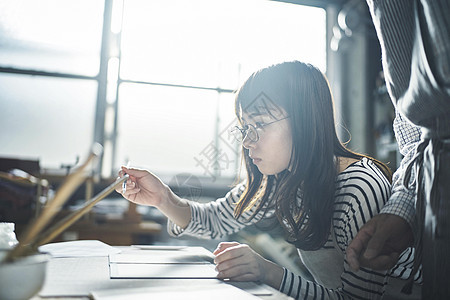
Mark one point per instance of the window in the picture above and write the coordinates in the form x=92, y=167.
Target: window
x=54, y=127
x=49, y=35
x=194, y=54
x=172, y=67
x=48, y=90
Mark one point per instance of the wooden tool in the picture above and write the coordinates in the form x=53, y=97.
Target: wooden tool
x=65, y=223
x=54, y=206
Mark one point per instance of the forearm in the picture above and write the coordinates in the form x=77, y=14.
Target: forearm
x=214, y=219
x=176, y=209
x=274, y=274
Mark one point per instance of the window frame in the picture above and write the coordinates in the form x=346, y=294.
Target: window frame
x=110, y=48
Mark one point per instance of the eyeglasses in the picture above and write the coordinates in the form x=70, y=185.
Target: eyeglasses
x=250, y=131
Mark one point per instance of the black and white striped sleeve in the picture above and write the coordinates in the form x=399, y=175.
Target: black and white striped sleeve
x=361, y=192
x=215, y=219
x=360, y=197
x=299, y=288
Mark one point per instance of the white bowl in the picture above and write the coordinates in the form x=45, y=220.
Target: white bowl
x=22, y=278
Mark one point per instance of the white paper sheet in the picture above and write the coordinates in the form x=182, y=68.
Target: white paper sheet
x=158, y=257
x=83, y=248
x=197, y=292
x=162, y=270
x=159, y=247
x=75, y=276
x=257, y=289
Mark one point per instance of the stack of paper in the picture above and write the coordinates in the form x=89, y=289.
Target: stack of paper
x=196, y=292
x=157, y=262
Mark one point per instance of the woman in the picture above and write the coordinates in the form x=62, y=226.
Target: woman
x=299, y=175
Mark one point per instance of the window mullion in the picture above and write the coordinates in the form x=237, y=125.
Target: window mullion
x=100, y=112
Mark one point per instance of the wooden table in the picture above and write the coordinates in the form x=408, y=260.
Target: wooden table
x=114, y=233
x=76, y=278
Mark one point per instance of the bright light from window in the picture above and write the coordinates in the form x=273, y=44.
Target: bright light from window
x=51, y=35
x=208, y=44
x=201, y=43
x=217, y=43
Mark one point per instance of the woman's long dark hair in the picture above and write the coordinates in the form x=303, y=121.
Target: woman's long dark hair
x=303, y=93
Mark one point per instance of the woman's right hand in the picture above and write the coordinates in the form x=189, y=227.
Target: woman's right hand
x=143, y=187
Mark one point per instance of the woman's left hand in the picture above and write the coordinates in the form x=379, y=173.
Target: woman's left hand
x=238, y=262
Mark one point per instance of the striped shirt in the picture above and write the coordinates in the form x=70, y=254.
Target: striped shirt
x=361, y=191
